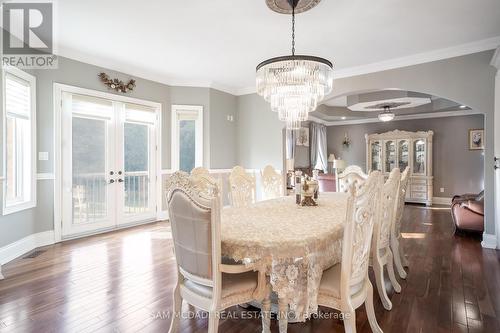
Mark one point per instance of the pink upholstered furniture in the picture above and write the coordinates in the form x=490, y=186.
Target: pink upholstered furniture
x=326, y=182
x=468, y=211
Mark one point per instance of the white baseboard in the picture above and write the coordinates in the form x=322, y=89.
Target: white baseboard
x=25, y=245
x=489, y=241
x=162, y=216
x=441, y=201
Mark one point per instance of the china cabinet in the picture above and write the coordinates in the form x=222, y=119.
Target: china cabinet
x=399, y=149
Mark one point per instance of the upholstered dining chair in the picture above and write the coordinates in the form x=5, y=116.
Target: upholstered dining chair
x=272, y=183
x=381, y=250
x=200, y=171
x=346, y=286
x=353, y=174
x=397, y=249
x=202, y=281
x=242, y=187
x=204, y=177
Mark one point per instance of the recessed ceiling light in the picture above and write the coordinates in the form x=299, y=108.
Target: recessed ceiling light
x=463, y=106
x=343, y=118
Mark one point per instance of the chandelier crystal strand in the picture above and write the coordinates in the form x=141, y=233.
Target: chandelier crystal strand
x=294, y=85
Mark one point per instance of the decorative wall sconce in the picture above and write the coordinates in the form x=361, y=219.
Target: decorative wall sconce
x=116, y=84
x=346, y=142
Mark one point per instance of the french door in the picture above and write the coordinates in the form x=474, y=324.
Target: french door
x=108, y=164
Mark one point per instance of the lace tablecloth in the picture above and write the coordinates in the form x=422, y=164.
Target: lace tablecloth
x=293, y=244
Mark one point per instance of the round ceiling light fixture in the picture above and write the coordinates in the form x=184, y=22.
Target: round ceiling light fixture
x=294, y=84
x=387, y=115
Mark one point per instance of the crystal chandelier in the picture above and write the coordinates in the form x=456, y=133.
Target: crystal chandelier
x=294, y=84
x=387, y=115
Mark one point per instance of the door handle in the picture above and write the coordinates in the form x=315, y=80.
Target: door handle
x=111, y=181
x=497, y=162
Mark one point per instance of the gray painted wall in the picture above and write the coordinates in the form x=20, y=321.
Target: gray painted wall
x=259, y=133
x=223, y=145
x=455, y=167
x=19, y=225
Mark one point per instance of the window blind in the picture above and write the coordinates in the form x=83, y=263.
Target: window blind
x=17, y=97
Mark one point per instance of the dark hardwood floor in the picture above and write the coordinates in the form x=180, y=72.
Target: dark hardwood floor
x=123, y=281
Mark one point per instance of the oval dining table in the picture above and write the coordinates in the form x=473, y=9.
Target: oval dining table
x=291, y=243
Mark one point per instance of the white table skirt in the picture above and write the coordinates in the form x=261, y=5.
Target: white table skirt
x=292, y=244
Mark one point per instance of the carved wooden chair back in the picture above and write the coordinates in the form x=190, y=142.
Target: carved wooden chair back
x=194, y=214
x=272, y=183
x=361, y=215
x=242, y=187
x=352, y=175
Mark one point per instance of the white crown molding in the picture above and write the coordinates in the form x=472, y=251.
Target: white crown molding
x=411, y=60
x=489, y=241
x=128, y=70
x=406, y=117
x=45, y=176
x=495, y=60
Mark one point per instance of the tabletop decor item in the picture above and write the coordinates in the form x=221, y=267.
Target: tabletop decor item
x=116, y=84
x=309, y=188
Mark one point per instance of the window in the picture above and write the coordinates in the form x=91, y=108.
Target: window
x=19, y=100
x=187, y=137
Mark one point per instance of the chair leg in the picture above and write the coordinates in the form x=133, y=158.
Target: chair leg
x=397, y=258
x=177, y=300
x=370, y=310
x=402, y=254
x=378, y=268
x=349, y=321
x=283, y=315
x=213, y=322
x=390, y=271
x=266, y=310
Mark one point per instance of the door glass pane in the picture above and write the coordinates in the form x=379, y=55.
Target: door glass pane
x=403, y=154
x=136, y=158
x=390, y=155
x=187, y=145
x=376, y=156
x=89, y=170
x=419, y=158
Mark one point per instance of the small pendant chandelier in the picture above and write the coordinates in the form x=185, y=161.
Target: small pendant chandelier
x=294, y=84
x=387, y=115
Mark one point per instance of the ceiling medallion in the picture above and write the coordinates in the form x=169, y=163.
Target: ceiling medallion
x=387, y=115
x=285, y=6
x=294, y=84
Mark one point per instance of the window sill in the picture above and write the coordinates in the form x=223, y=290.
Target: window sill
x=18, y=207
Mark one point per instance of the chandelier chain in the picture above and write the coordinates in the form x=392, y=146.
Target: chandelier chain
x=293, y=28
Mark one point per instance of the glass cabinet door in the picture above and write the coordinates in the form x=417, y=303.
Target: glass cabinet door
x=419, y=148
x=403, y=154
x=390, y=155
x=376, y=152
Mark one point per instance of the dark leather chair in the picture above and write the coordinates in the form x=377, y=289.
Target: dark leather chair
x=467, y=211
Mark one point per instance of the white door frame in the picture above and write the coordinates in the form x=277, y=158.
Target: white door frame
x=58, y=109
x=496, y=63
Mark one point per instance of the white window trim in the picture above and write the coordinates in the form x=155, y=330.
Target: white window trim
x=196, y=111
x=32, y=81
